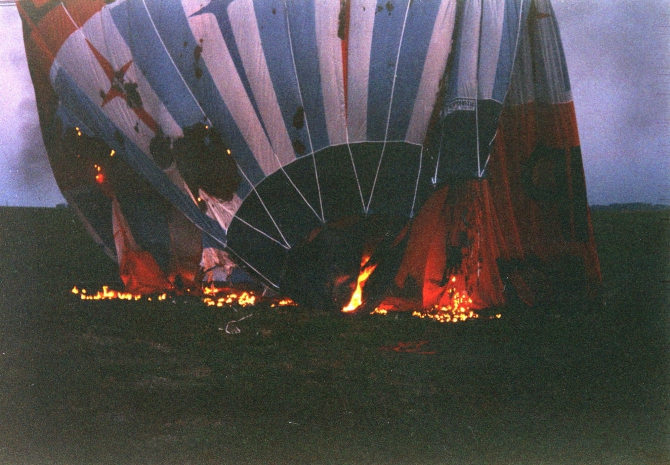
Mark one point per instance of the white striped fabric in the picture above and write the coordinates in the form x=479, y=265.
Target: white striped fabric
x=330, y=66
x=77, y=57
x=433, y=71
x=361, y=25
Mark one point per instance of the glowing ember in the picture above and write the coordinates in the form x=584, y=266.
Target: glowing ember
x=108, y=294
x=214, y=297
x=357, y=297
x=456, y=306
x=244, y=299
x=284, y=303
x=457, y=310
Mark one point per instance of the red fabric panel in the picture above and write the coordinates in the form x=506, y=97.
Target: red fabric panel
x=141, y=274
x=530, y=215
x=553, y=227
x=557, y=124
x=138, y=269
x=54, y=29
x=57, y=24
x=453, y=247
x=422, y=235
x=82, y=10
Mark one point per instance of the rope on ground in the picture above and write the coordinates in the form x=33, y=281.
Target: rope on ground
x=232, y=328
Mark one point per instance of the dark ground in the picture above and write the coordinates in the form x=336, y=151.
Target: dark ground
x=159, y=383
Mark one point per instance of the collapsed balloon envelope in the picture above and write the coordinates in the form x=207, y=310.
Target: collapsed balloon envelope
x=288, y=137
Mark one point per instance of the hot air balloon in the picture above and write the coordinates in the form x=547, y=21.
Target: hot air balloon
x=434, y=142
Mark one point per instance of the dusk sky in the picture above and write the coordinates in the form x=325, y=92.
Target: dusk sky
x=618, y=54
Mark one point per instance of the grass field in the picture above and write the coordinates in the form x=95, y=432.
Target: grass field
x=161, y=383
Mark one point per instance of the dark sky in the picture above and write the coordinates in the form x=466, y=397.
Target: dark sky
x=618, y=54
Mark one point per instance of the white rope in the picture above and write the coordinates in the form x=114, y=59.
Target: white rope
x=231, y=326
x=302, y=104
x=388, y=117
x=266, y=210
x=416, y=187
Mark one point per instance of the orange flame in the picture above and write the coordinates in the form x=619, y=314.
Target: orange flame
x=357, y=297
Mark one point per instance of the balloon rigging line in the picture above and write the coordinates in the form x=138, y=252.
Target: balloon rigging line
x=439, y=156
x=388, y=117
x=266, y=209
x=89, y=227
x=293, y=184
x=252, y=267
x=351, y=157
x=511, y=73
x=296, y=188
x=262, y=232
x=302, y=104
x=479, y=55
x=416, y=187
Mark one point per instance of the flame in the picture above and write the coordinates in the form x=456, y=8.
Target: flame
x=357, y=297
